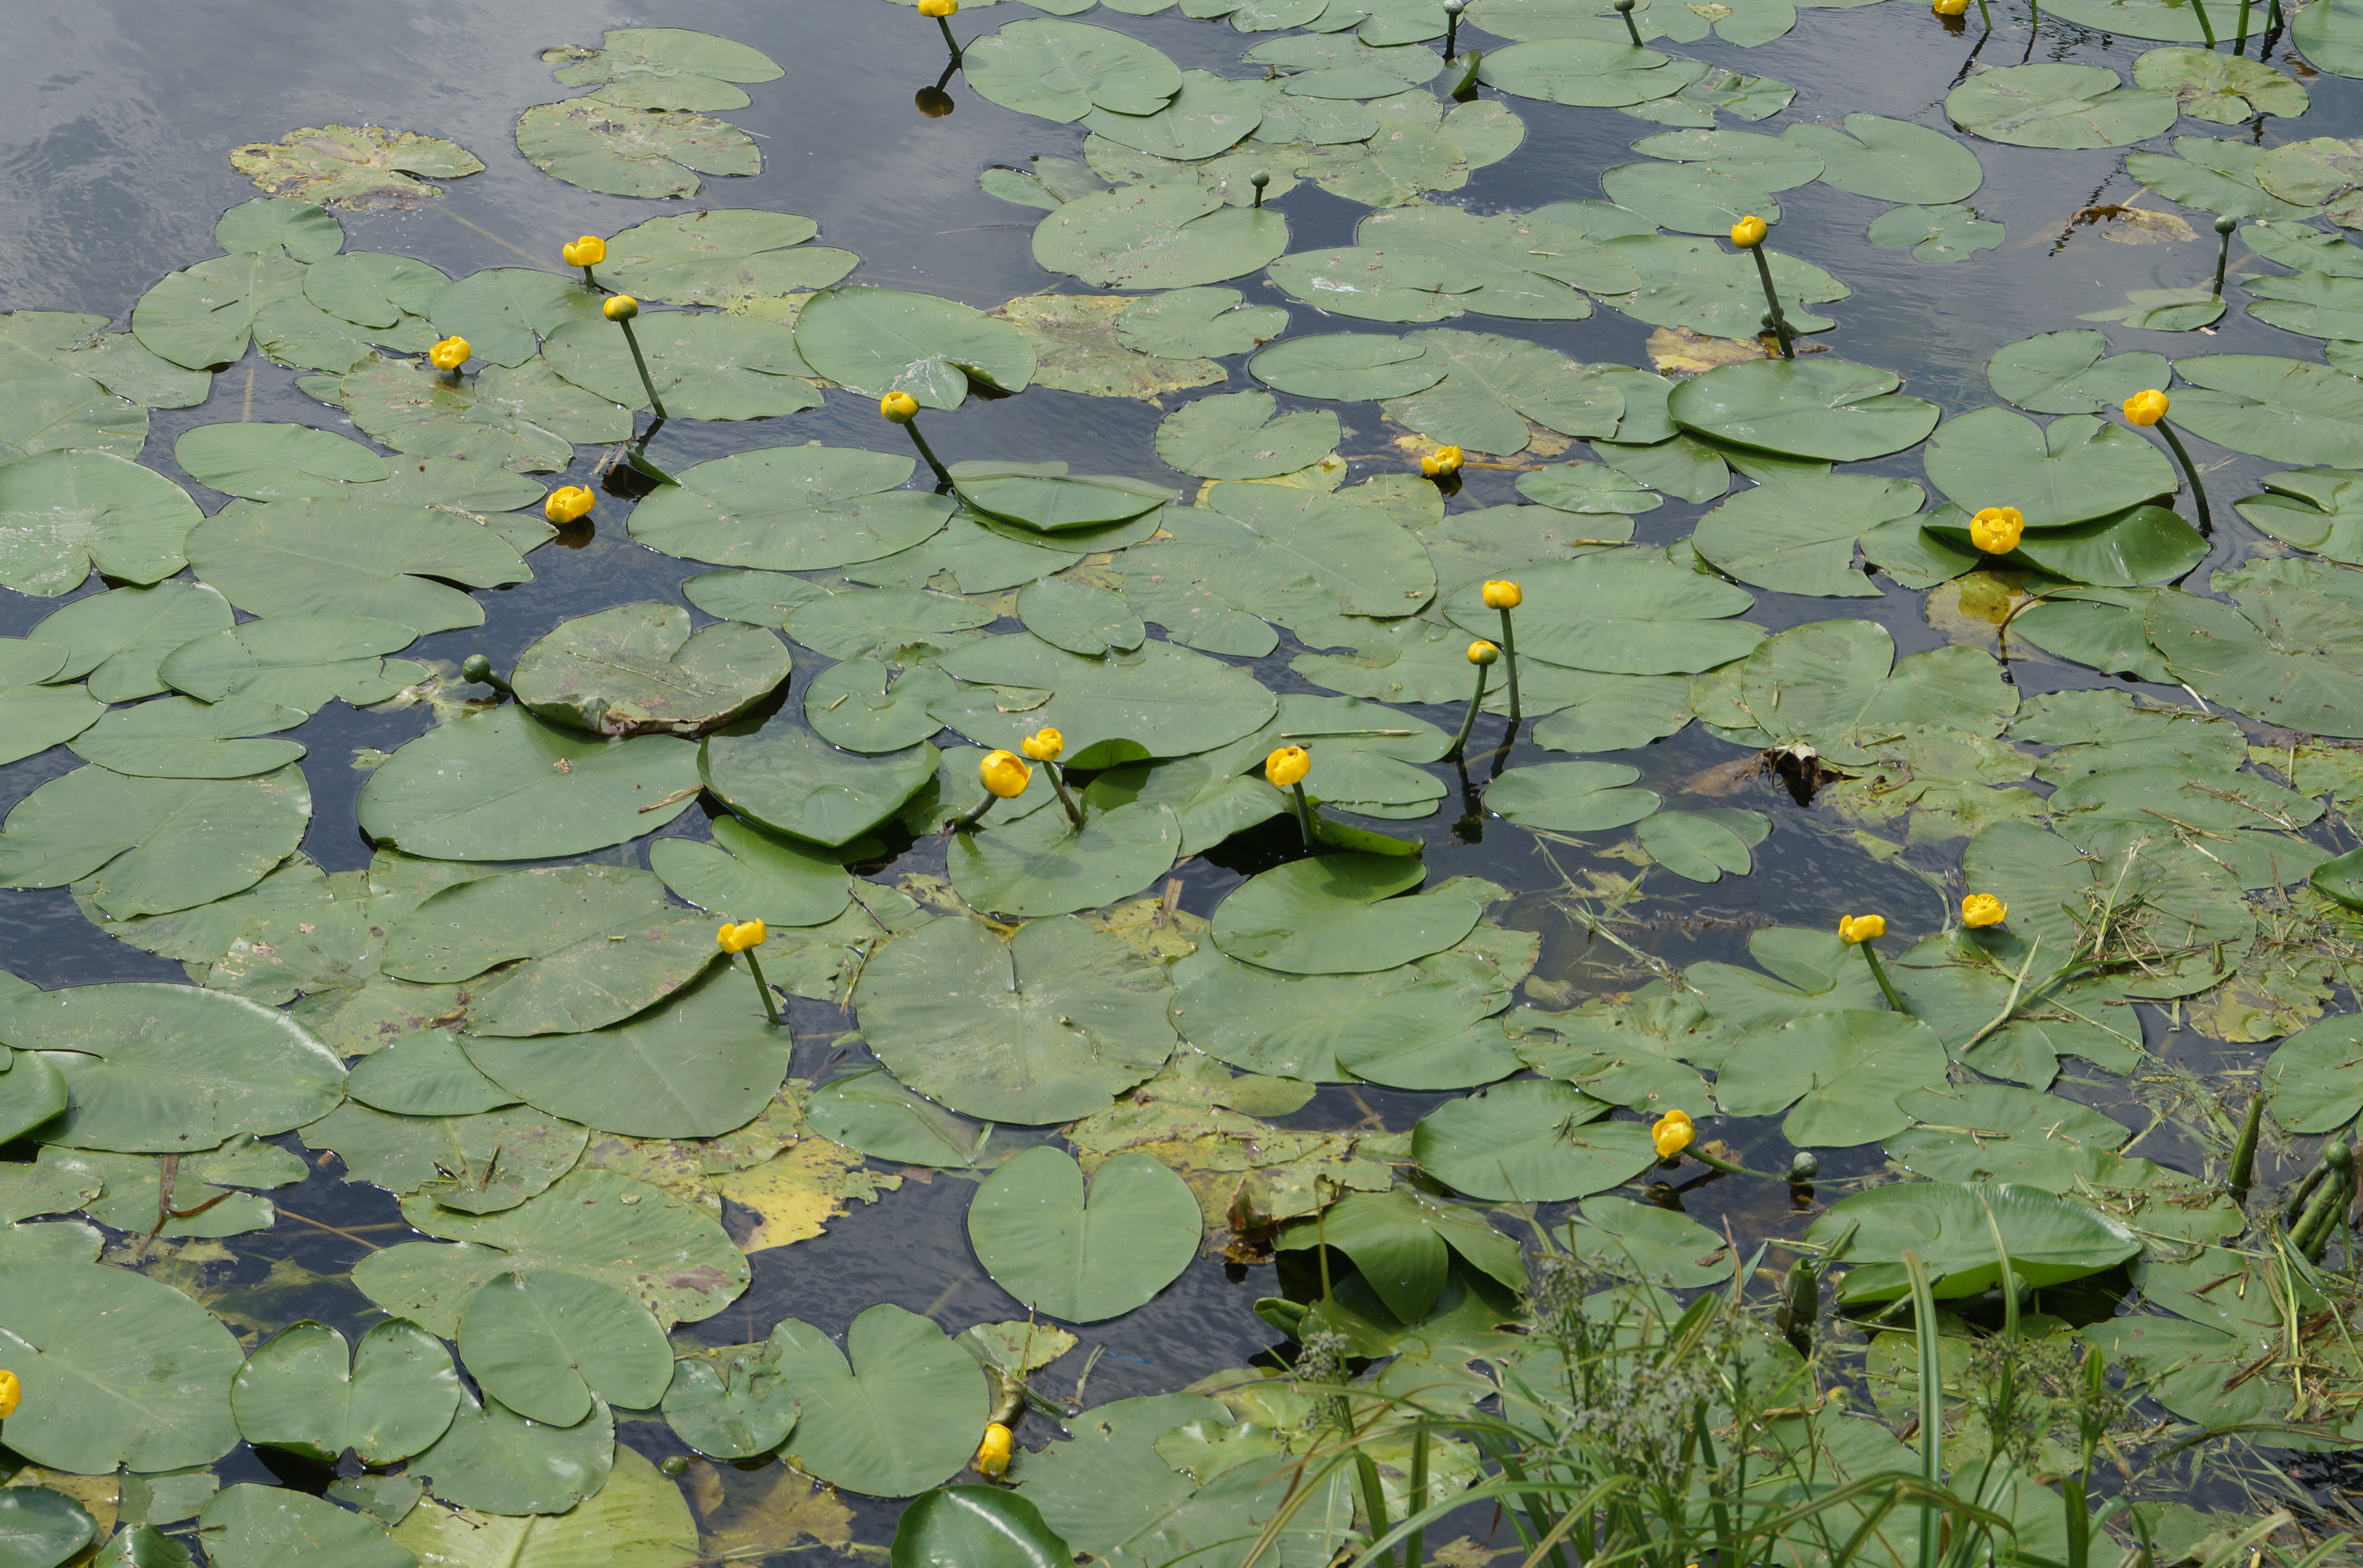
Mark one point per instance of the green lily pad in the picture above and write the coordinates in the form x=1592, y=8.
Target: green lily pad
x=890, y=1414
x=45, y=408
x=1040, y=1027
x=2063, y=105
x=1836, y=1073
x=638, y=669
x=1701, y=847
x=1429, y=263
x=704, y=366
x=2314, y=509
x=153, y=845
x=250, y=1525
x=2320, y=171
x=299, y=662
x=868, y=1111
x=274, y=462
x=639, y=1518
x=1951, y=1224
x=1349, y=366
x=1803, y=408
x=1988, y=1132
x=351, y=557
x=977, y=1527
x=784, y=778
x=1061, y=71
x=1599, y=73
x=374, y=288
x=1334, y=914
x=2215, y=175
x=307, y=1391
x=748, y=874
x=2273, y=658
x=877, y=341
x=1309, y=1026
x=1206, y=117
x=115, y=639
x=40, y=1529
x=1840, y=685
x=64, y=513
x=602, y=145
x=721, y=256
x=791, y=509
x=1571, y=797
x=863, y=705
x=425, y=1073
x=733, y=1406
x=2314, y=303
x=548, y=1345
x=527, y=418
x=2312, y=1077
x=505, y=312
x=358, y=167
x=665, y=68
x=1628, y=613
x=1163, y=699
x=1493, y=385
x=1078, y=617
x=504, y=786
x=1615, y=712
x=1690, y=198
x=1158, y=237
x=2063, y=372
x=1798, y=534
x=494, y=1460
x=1891, y=160
x=1936, y=234
x=1201, y=322
x=2287, y=410
x=180, y=737
x=1044, y=498
x=1041, y=864
x=1534, y=1141
x=1076, y=1259
x=2223, y=88
x=2141, y=545
x=1234, y=435
x=476, y=1164
x=2077, y=469
x=205, y=314
x=1701, y=285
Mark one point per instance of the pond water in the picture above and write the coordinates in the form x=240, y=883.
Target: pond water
x=118, y=126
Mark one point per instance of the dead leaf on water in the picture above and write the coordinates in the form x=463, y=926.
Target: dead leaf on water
x=750, y=1514
x=799, y=1191
x=1677, y=351
x=1074, y=340
x=1971, y=610
x=354, y=166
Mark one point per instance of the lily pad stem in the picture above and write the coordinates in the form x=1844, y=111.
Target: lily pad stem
x=2190, y=472
x=943, y=474
x=646, y=382
x=2243, y=1152
x=2224, y=227
x=1624, y=9
x=1058, y=782
x=1879, y=973
x=1305, y=817
x=588, y=280
x=2205, y=27
x=968, y=823
x=950, y=42
x=1509, y=661
x=1704, y=1154
x=763, y=989
x=1468, y=719
x=1771, y=298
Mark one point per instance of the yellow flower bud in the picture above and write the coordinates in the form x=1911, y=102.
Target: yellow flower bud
x=621, y=308
x=1996, y=529
x=1504, y=596
x=899, y=407
x=1442, y=462
x=564, y=505
x=1044, y=744
x=992, y=1454
x=1483, y=652
x=449, y=354
x=1288, y=765
x=11, y=1394
x=938, y=8
x=587, y=251
x=1983, y=908
x=2146, y=407
x=1749, y=232
x=740, y=937
x=1003, y=774
x=1671, y=1133
x=1855, y=929
x=1950, y=7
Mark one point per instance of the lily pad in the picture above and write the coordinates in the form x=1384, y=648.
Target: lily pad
x=307, y=1391
x=1493, y=385
x=1040, y=865
x=1158, y=237
x=1164, y=701
x=1076, y=1259
x=1234, y=435
x=1701, y=847
x=65, y=514
x=153, y=845
x=638, y=1518
x=891, y=1414
x=1951, y=1224
x=1044, y=498
x=868, y=1111
x=1891, y=160
x=748, y=874
x=1040, y=1027
x=1936, y=234
x=1623, y=613
x=733, y=1406
x=2077, y=469
x=1061, y=71
x=1840, y=685
x=2216, y=175
x=1532, y=1142
x=1571, y=797
x=721, y=256
x=1803, y=408
x=40, y=1529
x=638, y=669
x=665, y=68
x=2273, y=658
x=1700, y=285
x=791, y=509
x=494, y=1460
x=2063, y=372
x=2320, y=171
x=1586, y=72
x=1189, y=323
x=275, y=463
x=1335, y=915
x=624, y=152
x=115, y=639
x=1349, y=366
x=205, y=315
x=300, y=662
x=704, y=366
x=786, y=779
x=1798, y=534
x=527, y=418
x=506, y=785
x=351, y=557
x=2063, y=105
x=547, y=1344
x=2223, y=88
x=358, y=167
x=1837, y=1074
x=881, y=340
x=180, y=737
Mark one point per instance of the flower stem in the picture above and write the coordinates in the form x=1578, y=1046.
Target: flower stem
x=1879, y=973
x=950, y=42
x=2222, y=255
x=1510, y=659
x=968, y=823
x=943, y=475
x=1058, y=782
x=646, y=382
x=2240, y=45
x=588, y=280
x=2190, y=471
x=1772, y=299
x=1985, y=16
x=2243, y=1152
x=1304, y=815
x=762, y=988
x=2206, y=28
x=1468, y=719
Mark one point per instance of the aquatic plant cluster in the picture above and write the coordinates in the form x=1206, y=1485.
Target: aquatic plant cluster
x=546, y=1017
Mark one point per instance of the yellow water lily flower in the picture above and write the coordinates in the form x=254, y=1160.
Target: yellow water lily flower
x=899, y=407
x=1950, y=7
x=1288, y=765
x=1504, y=595
x=2146, y=407
x=1983, y=908
x=1003, y=774
x=938, y=8
x=11, y=1394
x=740, y=937
x=1749, y=232
x=587, y=251
x=992, y=1454
x=1995, y=530
x=449, y=354
x=1671, y=1133
x=1044, y=744
x=621, y=308
x=1443, y=463
x=1856, y=929
x=1483, y=652
x=564, y=505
